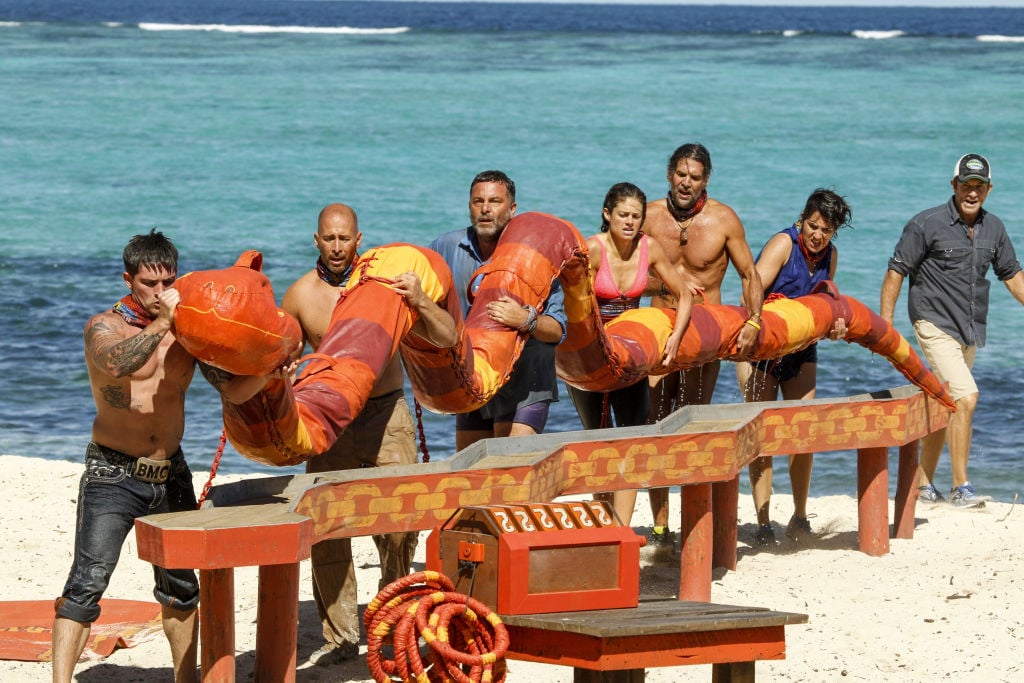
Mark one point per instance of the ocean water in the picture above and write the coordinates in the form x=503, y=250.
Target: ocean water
x=229, y=124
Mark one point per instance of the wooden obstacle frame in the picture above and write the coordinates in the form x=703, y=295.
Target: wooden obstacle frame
x=273, y=522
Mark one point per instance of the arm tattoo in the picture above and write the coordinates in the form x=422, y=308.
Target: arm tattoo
x=215, y=376
x=132, y=354
x=117, y=356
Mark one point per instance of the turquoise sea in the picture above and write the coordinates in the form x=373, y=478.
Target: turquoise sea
x=229, y=124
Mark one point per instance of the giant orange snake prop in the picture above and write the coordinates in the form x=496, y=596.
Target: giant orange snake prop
x=228, y=318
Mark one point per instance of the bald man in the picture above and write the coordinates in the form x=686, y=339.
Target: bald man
x=383, y=434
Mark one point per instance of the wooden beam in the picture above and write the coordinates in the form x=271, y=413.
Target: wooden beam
x=873, y=500
x=906, y=490
x=697, y=534
x=217, y=625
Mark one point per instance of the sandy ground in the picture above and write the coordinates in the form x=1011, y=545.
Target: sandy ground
x=948, y=604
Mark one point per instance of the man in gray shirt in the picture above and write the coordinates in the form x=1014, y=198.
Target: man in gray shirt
x=947, y=251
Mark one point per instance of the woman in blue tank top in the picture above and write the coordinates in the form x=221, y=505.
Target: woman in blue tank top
x=791, y=264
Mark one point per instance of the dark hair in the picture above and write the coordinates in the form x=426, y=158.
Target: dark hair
x=616, y=194
x=495, y=177
x=153, y=250
x=691, y=150
x=831, y=206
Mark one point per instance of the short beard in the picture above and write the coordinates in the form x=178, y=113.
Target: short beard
x=492, y=233
x=676, y=206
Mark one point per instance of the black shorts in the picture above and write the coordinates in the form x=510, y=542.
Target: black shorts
x=786, y=368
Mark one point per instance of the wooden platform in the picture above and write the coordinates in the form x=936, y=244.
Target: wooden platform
x=273, y=522
x=619, y=644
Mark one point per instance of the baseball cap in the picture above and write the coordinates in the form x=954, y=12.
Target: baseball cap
x=972, y=166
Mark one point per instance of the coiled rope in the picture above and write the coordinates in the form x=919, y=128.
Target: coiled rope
x=467, y=640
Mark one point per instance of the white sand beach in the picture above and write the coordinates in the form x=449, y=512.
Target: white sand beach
x=948, y=604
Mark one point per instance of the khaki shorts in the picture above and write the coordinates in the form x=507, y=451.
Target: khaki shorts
x=383, y=434
x=950, y=360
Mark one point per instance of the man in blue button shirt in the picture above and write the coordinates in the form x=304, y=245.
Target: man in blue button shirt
x=947, y=251
x=520, y=408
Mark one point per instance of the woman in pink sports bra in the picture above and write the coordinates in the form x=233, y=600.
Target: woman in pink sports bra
x=621, y=257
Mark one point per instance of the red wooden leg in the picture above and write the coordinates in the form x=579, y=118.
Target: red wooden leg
x=732, y=672
x=906, y=491
x=217, y=625
x=697, y=530
x=873, y=500
x=725, y=500
x=277, y=623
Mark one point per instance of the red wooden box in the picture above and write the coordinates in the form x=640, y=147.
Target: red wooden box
x=539, y=557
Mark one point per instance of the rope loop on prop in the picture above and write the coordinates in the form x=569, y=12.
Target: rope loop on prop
x=467, y=641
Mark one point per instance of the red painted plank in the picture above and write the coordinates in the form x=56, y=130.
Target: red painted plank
x=218, y=548
x=906, y=491
x=277, y=623
x=725, y=497
x=637, y=652
x=873, y=500
x=217, y=625
x=695, y=560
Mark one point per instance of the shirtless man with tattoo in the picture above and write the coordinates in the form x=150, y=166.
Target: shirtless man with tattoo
x=701, y=236
x=133, y=465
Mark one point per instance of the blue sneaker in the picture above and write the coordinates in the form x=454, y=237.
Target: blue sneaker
x=929, y=494
x=963, y=496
